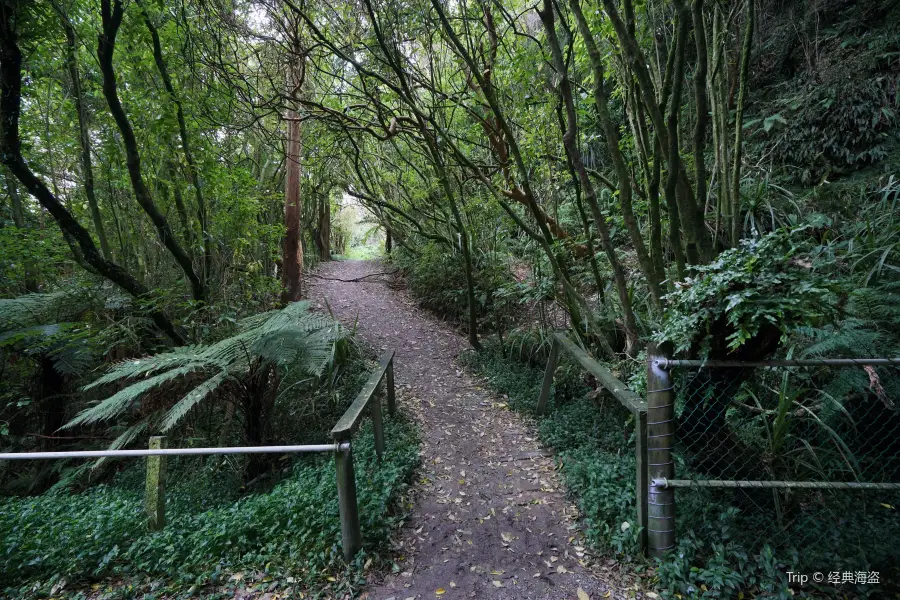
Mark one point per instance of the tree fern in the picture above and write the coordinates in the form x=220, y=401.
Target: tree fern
x=194, y=397
x=871, y=327
x=36, y=309
x=291, y=340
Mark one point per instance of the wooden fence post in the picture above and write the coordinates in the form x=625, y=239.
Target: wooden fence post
x=642, y=489
x=377, y=424
x=660, y=441
x=548, y=378
x=155, y=495
x=351, y=536
x=391, y=398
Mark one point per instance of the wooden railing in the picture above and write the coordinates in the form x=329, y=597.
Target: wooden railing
x=626, y=397
x=351, y=536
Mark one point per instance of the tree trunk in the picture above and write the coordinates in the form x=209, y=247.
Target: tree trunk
x=323, y=230
x=611, y=134
x=180, y=207
x=84, y=138
x=18, y=216
x=11, y=153
x=574, y=153
x=470, y=276
x=700, y=100
x=112, y=19
x=292, y=256
x=739, y=124
x=388, y=244
x=193, y=171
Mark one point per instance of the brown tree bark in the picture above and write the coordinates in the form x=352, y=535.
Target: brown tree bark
x=112, y=18
x=323, y=228
x=11, y=153
x=292, y=255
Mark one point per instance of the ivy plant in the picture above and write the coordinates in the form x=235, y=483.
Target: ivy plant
x=766, y=282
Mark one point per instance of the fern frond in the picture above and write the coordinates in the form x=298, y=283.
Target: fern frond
x=290, y=339
x=123, y=440
x=32, y=309
x=120, y=401
x=198, y=394
x=141, y=367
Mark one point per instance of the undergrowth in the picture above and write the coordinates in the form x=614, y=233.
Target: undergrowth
x=594, y=443
x=287, y=538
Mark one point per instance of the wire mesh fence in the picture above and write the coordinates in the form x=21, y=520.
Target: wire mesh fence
x=799, y=456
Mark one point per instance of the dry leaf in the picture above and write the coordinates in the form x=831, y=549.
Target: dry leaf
x=497, y=583
x=440, y=591
x=582, y=595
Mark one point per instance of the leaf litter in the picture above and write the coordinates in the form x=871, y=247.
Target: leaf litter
x=488, y=504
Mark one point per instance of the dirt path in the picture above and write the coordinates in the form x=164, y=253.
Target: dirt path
x=491, y=519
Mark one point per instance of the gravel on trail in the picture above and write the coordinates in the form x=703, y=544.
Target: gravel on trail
x=490, y=516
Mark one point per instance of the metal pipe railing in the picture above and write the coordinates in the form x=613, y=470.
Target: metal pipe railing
x=351, y=535
x=667, y=363
x=175, y=452
x=807, y=485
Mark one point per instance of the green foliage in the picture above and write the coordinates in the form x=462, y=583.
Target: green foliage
x=29, y=255
x=594, y=445
x=832, y=129
x=436, y=277
x=769, y=282
x=292, y=530
x=724, y=574
x=293, y=340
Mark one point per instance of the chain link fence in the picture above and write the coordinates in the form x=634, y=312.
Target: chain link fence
x=801, y=456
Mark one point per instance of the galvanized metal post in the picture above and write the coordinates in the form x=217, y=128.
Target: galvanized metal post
x=641, y=481
x=548, y=378
x=351, y=536
x=660, y=441
x=155, y=494
x=391, y=398
x=377, y=424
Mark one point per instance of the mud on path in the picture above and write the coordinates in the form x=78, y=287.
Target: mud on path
x=490, y=519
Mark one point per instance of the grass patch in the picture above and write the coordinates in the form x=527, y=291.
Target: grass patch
x=285, y=539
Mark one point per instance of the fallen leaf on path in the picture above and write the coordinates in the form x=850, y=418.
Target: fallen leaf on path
x=582, y=595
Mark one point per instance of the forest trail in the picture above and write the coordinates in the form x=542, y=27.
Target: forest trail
x=491, y=519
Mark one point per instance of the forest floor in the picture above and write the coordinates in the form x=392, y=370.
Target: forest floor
x=490, y=518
